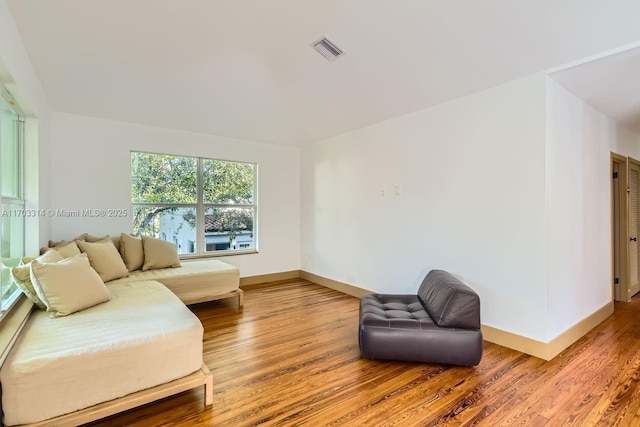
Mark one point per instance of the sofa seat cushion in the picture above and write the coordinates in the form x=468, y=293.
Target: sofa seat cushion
x=192, y=280
x=143, y=337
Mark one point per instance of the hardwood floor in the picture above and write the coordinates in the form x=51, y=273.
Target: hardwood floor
x=291, y=358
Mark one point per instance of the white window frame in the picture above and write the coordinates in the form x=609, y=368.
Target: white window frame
x=9, y=302
x=201, y=207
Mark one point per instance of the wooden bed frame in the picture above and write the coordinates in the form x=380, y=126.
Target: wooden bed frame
x=200, y=377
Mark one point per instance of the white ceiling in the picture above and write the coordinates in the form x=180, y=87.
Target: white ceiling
x=245, y=68
x=610, y=84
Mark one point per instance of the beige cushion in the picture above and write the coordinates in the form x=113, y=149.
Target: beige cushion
x=54, y=244
x=116, y=241
x=68, y=250
x=159, y=253
x=131, y=251
x=92, y=239
x=22, y=275
x=104, y=258
x=69, y=285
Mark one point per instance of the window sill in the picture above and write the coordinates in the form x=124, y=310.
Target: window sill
x=217, y=254
x=11, y=325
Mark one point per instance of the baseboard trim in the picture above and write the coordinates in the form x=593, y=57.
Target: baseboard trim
x=542, y=350
x=266, y=280
x=354, y=291
x=548, y=351
x=580, y=329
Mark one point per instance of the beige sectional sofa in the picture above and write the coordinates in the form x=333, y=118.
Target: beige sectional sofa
x=193, y=281
x=115, y=336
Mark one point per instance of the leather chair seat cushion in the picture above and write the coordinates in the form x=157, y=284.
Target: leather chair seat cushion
x=394, y=311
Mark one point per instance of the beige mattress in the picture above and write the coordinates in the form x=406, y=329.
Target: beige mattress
x=193, y=280
x=141, y=338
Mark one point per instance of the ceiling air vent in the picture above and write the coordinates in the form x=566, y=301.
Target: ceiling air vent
x=328, y=49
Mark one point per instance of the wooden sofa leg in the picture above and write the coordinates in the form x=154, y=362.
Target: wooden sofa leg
x=240, y=298
x=208, y=386
x=208, y=393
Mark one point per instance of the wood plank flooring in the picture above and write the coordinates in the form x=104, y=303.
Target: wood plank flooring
x=290, y=357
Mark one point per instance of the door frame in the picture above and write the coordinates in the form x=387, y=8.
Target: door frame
x=635, y=164
x=619, y=228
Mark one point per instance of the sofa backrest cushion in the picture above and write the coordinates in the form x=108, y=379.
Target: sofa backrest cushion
x=104, y=258
x=132, y=251
x=69, y=285
x=159, y=253
x=449, y=302
x=22, y=276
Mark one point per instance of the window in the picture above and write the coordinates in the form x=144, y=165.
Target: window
x=205, y=206
x=12, y=200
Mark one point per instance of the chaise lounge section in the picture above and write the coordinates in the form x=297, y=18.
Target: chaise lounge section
x=143, y=338
x=116, y=333
x=441, y=324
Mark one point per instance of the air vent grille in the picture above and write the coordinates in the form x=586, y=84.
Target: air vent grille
x=328, y=49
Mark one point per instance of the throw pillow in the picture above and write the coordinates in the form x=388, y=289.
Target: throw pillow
x=69, y=285
x=22, y=276
x=54, y=244
x=132, y=251
x=68, y=250
x=92, y=239
x=105, y=259
x=159, y=253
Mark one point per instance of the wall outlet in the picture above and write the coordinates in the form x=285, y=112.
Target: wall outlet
x=382, y=191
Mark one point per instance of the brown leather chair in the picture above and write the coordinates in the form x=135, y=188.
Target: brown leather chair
x=441, y=324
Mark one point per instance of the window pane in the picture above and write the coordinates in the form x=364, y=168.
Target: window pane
x=167, y=192
x=173, y=224
x=12, y=231
x=228, y=229
x=12, y=249
x=9, y=287
x=10, y=140
x=228, y=182
x=158, y=178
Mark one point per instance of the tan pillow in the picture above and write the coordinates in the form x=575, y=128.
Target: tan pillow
x=69, y=285
x=54, y=244
x=131, y=251
x=116, y=241
x=68, y=250
x=92, y=239
x=159, y=253
x=105, y=259
x=22, y=275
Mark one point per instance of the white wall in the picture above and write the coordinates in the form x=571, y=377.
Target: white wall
x=92, y=170
x=472, y=180
x=579, y=140
x=26, y=87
